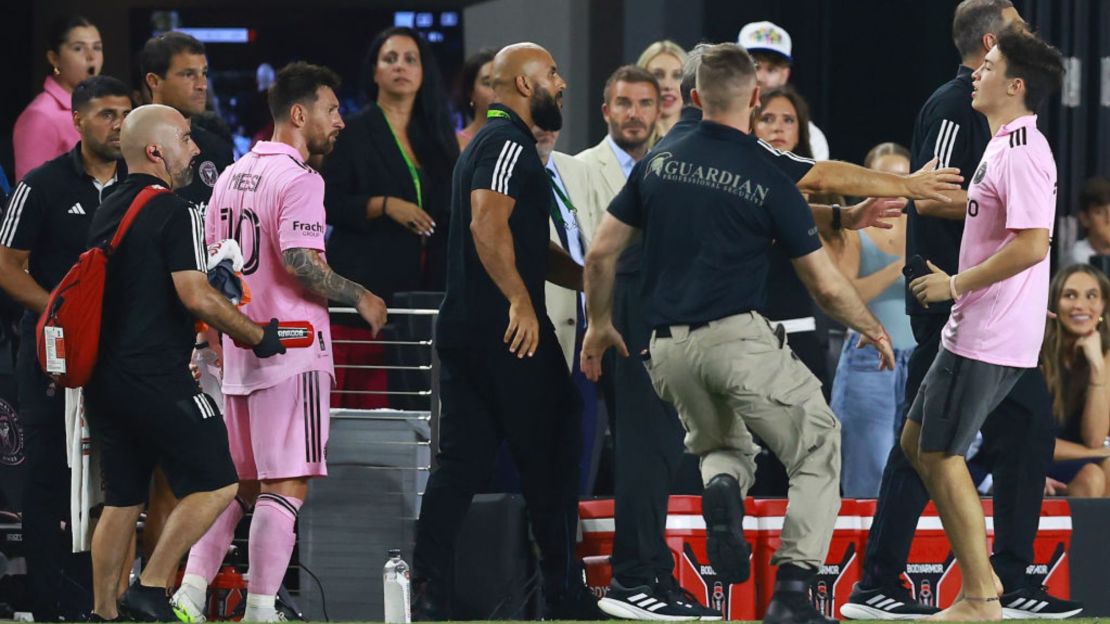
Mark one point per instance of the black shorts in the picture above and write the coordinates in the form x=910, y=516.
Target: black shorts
x=955, y=399
x=148, y=420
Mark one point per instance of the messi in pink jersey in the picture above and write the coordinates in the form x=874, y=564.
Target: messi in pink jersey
x=271, y=201
x=1014, y=188
x=277, y=418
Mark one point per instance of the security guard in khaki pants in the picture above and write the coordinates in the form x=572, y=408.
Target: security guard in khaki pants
x=709, y=206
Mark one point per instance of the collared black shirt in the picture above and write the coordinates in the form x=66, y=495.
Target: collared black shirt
x=49, y=214
x=146, y=330
x=795, y=167
x=948, y=128
x=502, y=158
x=215, y=155
x=709, y=205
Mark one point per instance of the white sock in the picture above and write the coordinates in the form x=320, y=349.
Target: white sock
x=196, y=588
x=259, y=608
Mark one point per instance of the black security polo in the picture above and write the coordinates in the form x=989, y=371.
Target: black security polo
x=49, y=213
x=948, y=128
x=501, y=158
x=709, y=205
x=215, y=156
x=145, y=328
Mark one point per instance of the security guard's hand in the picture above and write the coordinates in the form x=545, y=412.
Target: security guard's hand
x=410, y=216
x=523, y=333
x=873, y=212
x=931, y=288
x=881, y=342
x=927, y=183
x=595, y=343
x=270, y=344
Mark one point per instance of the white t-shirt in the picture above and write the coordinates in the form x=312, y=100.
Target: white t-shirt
x=818, y=144
x=1080, y=252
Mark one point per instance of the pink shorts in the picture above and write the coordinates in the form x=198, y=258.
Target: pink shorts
x=281, y=432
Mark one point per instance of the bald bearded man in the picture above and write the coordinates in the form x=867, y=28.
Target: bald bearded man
x=142, y=404
x=503, y=376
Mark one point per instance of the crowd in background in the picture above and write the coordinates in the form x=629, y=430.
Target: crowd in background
x=388, y=185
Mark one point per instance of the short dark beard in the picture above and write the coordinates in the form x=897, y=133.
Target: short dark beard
x=320, y=147
x=545, y=110
x=631, y=148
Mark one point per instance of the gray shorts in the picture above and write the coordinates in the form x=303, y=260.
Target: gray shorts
x=955, y=399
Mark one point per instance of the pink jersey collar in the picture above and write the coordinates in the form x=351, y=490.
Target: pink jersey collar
x=271, y=148
x=54, y=88
x=1025, y=121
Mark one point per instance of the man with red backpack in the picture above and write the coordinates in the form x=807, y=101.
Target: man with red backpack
x=142, y=404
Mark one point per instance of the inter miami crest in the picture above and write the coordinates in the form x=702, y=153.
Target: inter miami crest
x=980, y=173
x=208, y=172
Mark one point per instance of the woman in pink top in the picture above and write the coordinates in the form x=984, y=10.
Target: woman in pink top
x=44, y=130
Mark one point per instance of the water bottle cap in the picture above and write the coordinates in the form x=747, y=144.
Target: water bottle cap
x=394, y=552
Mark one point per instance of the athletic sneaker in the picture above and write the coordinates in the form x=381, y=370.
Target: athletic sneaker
x=1035, y=603
x=641, y=603
x=146, y=604
x=722, y=506
x=186, y=607
x=793, y=607
x=884, y=603
x=676, y=594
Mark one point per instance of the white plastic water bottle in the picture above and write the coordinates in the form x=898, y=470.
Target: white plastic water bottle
x=395, y=581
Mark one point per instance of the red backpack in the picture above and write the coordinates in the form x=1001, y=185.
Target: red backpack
x=68, y=332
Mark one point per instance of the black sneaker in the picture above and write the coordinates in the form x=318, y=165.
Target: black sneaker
x=674, y=593
x=793, y=607
x=146, y=604
x=643, y=603
x=884, y=603
x=722, y=506
x=1034, y=603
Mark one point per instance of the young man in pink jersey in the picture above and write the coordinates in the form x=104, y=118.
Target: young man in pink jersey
x=272, y=203
x=1000, y=293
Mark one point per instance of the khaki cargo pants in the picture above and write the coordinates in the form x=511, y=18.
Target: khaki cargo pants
x=736, y=377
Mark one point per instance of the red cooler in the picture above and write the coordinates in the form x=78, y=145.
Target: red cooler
x=1050, y=549
x=842, y=567
x=685, y=534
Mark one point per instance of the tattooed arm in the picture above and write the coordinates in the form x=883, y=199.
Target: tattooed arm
x=319, y=278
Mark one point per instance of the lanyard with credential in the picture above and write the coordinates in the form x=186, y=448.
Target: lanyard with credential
x=408, y=163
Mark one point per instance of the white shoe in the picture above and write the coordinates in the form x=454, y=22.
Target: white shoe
x=263, y=614
x=186, y=608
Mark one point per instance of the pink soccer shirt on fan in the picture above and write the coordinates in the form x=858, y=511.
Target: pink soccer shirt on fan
x=270, y=201
x=1014, y=188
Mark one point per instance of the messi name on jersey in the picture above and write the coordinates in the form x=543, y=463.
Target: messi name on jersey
x=668, y=168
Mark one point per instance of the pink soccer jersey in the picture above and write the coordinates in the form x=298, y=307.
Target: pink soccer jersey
x=1014, y=188
x=270, y=201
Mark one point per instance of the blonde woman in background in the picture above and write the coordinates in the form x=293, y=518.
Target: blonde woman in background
x=869, y=402
x=664, y=59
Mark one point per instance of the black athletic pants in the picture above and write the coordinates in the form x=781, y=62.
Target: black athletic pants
x=490, y=395
x=648, y=451
x=1021, y=428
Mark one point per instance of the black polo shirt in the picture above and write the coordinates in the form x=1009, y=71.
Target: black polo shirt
x=215, y=156
x=709, y=205
x=146, y=330
x=795, y=167
x=502, y=158
x=49, y=214
x=949, y=129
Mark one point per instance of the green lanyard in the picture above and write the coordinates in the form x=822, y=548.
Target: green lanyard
x=555, y=212
x=493, y=113
x=408, y=163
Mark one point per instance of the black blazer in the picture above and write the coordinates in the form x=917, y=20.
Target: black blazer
x=378, y=253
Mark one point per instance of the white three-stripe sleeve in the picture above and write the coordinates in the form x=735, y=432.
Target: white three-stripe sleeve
x=503, y=169
x=199, y=248
x=10, y=225
x=946, y=140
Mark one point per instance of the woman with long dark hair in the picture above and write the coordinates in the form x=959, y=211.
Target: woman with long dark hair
x=388, y=194
x=783, y=120
x=476, y=93
x=1074, y=359
x=44, y=130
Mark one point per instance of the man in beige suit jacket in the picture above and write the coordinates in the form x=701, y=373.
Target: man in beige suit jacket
x=630, y=109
